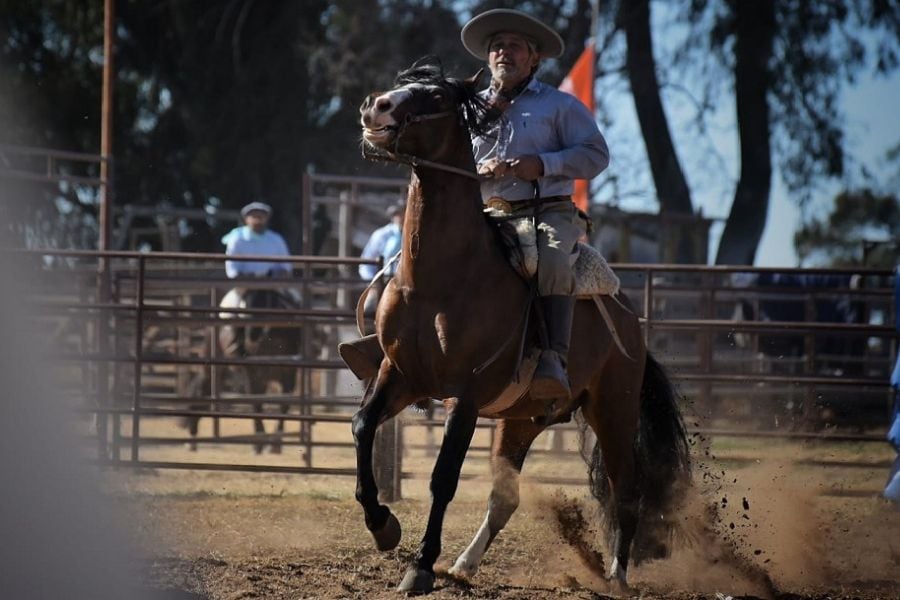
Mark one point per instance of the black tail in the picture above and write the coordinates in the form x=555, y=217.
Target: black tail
x=663, y=466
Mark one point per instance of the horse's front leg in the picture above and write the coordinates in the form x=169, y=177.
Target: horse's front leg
x=384, y=399
x=511, y=443
x=460, y=427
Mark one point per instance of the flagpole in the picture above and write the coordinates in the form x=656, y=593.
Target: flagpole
x=595, y=20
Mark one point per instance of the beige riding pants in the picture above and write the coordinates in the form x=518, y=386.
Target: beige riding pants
x=559, y=229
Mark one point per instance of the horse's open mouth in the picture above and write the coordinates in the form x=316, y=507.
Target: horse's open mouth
x=379, y=135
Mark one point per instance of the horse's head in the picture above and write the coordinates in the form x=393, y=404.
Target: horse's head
x=424, y=115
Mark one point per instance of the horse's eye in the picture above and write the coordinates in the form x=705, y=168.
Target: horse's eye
x=439, y=96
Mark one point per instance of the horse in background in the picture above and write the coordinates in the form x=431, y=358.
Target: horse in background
x=443, y=325
x=256, y=341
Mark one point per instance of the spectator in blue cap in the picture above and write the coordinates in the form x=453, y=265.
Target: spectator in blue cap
x=255, y=239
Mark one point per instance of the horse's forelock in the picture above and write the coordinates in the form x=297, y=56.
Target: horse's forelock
x=421, y=72
x=478, y=115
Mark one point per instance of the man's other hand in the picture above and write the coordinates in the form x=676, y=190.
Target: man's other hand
x=528, y=167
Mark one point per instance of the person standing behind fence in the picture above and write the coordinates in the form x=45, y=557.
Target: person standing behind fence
x=892, y=490
x=254, y=238
x=384, y=244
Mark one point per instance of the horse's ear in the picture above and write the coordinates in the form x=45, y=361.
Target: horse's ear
x=472, y=82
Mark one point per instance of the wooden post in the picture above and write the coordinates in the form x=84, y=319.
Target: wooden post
x=388, y=461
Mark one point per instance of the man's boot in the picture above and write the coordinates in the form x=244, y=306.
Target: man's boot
x=362, y=356
x=550, y=379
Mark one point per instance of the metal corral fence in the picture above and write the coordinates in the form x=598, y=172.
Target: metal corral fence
x=134, y=337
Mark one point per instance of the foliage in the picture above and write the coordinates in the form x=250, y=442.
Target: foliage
x=220, y=103
x=862, y=229
x=216, y=103
x=819, y=47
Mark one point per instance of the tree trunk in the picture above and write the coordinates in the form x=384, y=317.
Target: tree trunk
x=755, y=20
x=668, y=177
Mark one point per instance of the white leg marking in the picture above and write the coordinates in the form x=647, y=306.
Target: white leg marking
x=467, y=563
x=502, y=504
x=616, y=571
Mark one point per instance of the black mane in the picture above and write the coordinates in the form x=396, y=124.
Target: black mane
x=429, y=71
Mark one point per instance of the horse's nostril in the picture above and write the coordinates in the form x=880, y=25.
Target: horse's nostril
x=383, y=105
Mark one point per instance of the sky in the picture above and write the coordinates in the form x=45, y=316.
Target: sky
x=873, y=127
x=711, y=161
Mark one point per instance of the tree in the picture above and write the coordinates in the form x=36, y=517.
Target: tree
x=754, y=36
x=785, y=63
x=217, y=103
x=862, y=229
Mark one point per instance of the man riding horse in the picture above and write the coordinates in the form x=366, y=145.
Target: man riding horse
x=542, y=142
x=254, y=238
x=431, y=347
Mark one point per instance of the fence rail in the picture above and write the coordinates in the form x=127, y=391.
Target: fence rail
x=147, y=353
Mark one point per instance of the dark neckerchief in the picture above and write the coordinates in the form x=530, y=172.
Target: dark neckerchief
x=502, y=98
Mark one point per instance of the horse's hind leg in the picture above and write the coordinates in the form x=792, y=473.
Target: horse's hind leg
x=286, y=380
x=256, y=385
x=511, y=443
x=384, y=399
x=259, y=429
x=461, y=419
x=614, y=418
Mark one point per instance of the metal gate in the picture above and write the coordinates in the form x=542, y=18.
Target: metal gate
x=137, y=360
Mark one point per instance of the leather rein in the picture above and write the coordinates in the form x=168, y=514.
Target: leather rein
x=371, y=152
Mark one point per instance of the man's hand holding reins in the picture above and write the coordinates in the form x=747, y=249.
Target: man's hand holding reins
x=528, y=167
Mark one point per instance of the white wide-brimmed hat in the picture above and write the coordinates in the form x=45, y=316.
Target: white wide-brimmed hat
x=477, y=33
x=261, y=206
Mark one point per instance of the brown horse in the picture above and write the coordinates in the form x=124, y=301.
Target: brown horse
x=242, y=341
x=445, y=322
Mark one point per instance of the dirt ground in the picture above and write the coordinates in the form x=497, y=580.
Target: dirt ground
x=768, y=527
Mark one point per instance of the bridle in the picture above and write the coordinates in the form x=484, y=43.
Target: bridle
x=371, y=152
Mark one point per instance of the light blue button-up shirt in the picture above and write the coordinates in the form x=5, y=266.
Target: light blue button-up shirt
x=384, y=243
x=551, y=124
x=243, y=241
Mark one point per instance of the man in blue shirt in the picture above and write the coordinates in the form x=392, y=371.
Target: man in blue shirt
x=252, y=239
x=544, y=140
x=384, y=243
x=255, y=239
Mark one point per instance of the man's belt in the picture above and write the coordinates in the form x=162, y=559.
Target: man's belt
x=509, y=206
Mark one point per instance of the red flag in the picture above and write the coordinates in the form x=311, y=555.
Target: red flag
x=580, y=83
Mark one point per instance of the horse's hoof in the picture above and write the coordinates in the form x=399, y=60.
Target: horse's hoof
x=388, y=536
x=462, y=570
x=417, y=581
x=618, y=579
x=621, y=589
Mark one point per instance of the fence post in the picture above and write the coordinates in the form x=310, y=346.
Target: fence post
x=138, y=360
x=102, y=331
x=387, y=460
